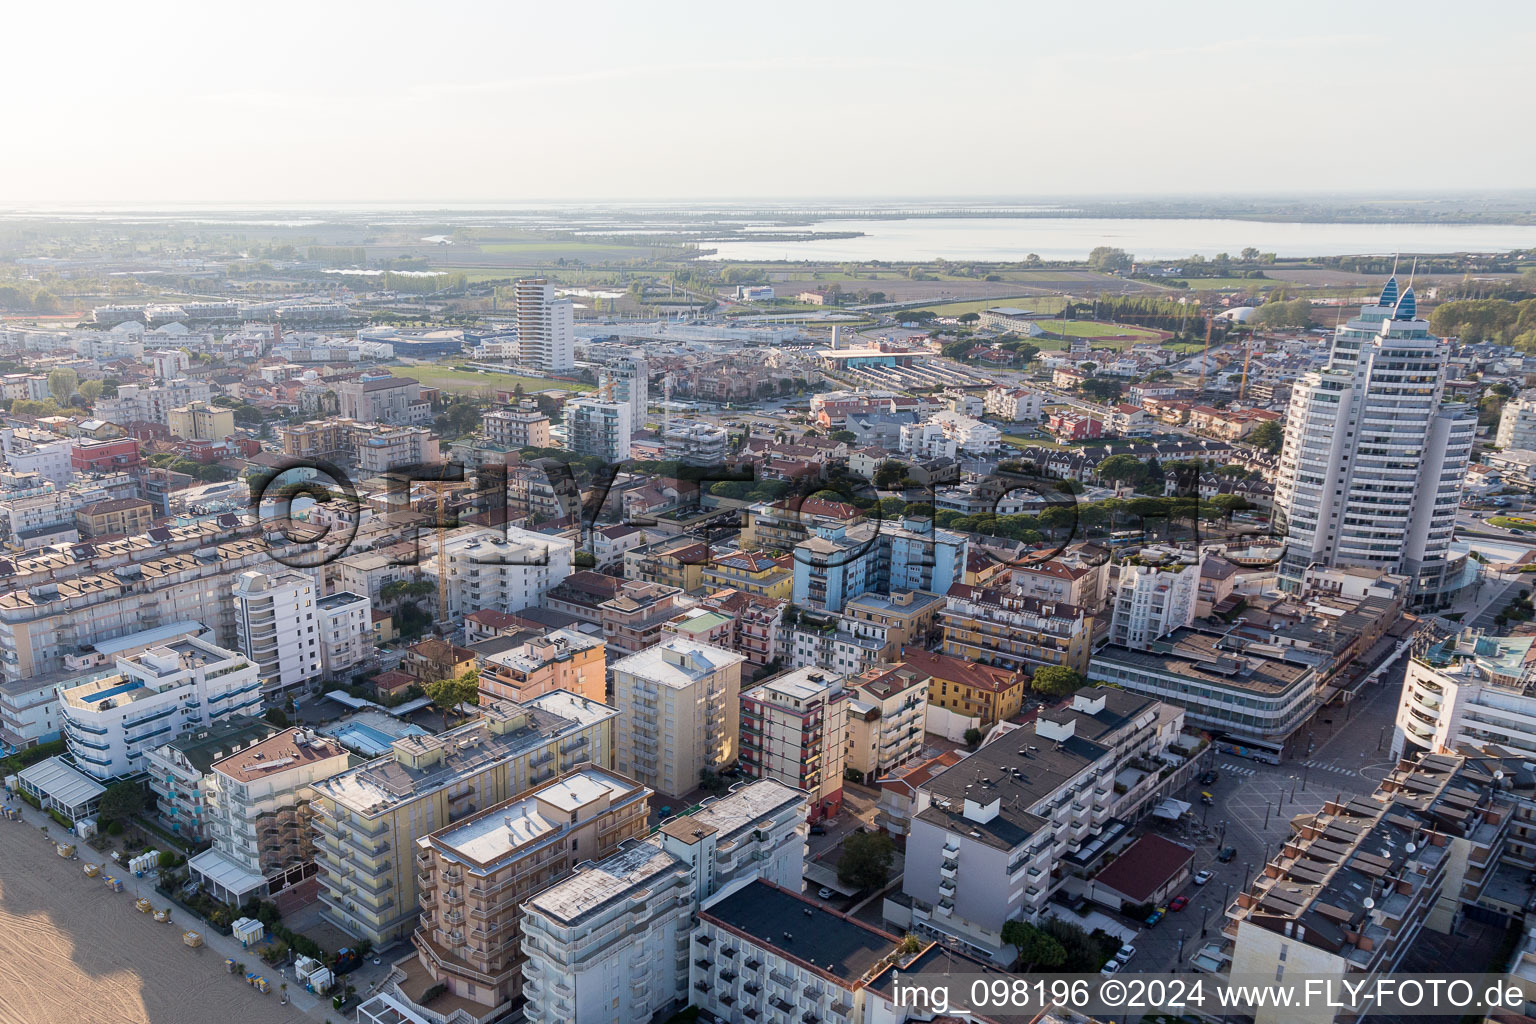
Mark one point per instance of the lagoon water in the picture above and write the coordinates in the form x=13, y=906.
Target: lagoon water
x=1072, y=238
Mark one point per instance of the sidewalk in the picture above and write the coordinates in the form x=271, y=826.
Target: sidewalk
x=217, y=945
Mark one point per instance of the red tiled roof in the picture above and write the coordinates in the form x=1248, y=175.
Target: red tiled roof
x=958, y=670
x=1145, y=867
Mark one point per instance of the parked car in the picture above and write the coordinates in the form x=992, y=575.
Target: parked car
x=824, y=893
x=1203, y=876
x=1110, y=968
x=1178, y=904
x=1227, y=854
x=1126, y=952
x=818, y=830
x=1209, y=776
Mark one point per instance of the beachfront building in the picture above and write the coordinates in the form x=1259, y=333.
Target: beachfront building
x=178, y=770
x=1375, y=456
x=1152, y=601
x=476, y=873
x=680, y=701
x=258, y=815
x=612, y=941
x=111, y=721
x=794, y=728
x=369, y=817
x=275, y=627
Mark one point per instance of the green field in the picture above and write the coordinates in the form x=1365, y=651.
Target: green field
x=468, y=382
x=1038, y=303
x=1209, y=284
x=1096, y=329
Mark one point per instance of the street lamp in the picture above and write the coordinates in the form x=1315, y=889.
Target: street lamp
x=1269, y=805
x=1181, y=945
x=1381, y=738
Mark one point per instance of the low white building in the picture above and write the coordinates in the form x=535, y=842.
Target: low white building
x=1014, y=404
x=111, y=721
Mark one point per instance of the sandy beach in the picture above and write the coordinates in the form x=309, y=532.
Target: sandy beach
x=73, y=953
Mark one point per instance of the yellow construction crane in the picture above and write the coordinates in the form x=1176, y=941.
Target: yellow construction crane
x=440, y=489
x=1205, y=359
x=1242, y=389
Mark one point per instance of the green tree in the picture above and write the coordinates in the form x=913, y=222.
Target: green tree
x=972, y=737
x=1055, y=681
x=121, y=801
x=90, y=390
x=1125, y=469
x=62, y=383
x=866, y=860
x=1268, y=435
x=968, y=318
x=1036, y=948
x=448, y=694
x=1109, y=260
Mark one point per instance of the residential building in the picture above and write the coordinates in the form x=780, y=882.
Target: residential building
x=898, y=791
x=887, y=712
x=377, y=448
x=627, y=380
x=597, y=427
x=546, y=328
x=522, y=426
x=782, y=525
x=811, y=963
x=276, y=624
x=620, y=928
x=477, y=872
x=995, y=836
x=345, y=626
x=508, y=569
x=794, y=728
x=895, y=620
x=369, y=816
x=178, y=771
x=694, y=443
x=634, y=617
x=1517, y=423
x=1225, y=683
x=1069, y=578
x=1014, y=404
x=115, y=517
x=151, y=402
x=821, y=640
x=1468, y=689
x=37, y=451
x=701, y=624
x=1355, y=883
x=1152, y=601
x=987, y=693
x=258, y=815
x=681, y=701
x=201, y=420
x=752, y=572
x=756, y=623
x=1374, y=458
x=562, y=659
x=1000, y=628
x=112, y=720
x=838, y=563
x=434, y=658
x=383, y=398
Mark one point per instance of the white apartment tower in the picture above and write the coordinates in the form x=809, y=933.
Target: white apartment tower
x=276, y=626
x=1373, y=463
x=546, y=326
x=596, y=427
x=627, y=380
x=1152, y=601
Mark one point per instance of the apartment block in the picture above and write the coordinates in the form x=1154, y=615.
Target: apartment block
x=276, y=625
x=753, y=572
x=612, y=943
x=1355, y=883
x=508, y=569
x=178, y=770
x=115, y=517
x=345, y=625
x=1152, y=601
x=634, y=617
x=476, y=873
x=201, y=420
x=545, y=327
x=522, y=426
x=1021, y=633
x=258, y=815
x=887, y=715
x=986, y=693
x=599, y=428
x=681, y=713
x=383, y=399
x=794, y=728
x=993, y=837
x=114, y=719
x=562, y=659
x=370, y=817
x=837, y=564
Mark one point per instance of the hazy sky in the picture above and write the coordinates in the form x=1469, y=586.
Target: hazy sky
x=325, y=101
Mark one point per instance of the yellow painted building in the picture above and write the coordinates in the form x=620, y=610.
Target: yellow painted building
x=966, y=688
x=753, y=572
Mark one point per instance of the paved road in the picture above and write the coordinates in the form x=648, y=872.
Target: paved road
x=1350, y=752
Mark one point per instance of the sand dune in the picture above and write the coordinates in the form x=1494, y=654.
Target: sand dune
x=73, y=953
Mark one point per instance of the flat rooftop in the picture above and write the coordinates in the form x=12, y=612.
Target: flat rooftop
x=510, y=827
x=1201, y=656
x=630, y=872
x=803, y=930
x=285, y=751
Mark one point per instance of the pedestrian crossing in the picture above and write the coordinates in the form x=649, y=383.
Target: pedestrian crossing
x=1232, y=768
x=1237, y=769
x=1329, y=768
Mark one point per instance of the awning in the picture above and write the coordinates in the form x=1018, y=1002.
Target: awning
x=62, y=784
x=221, y=872
x=1171, y=809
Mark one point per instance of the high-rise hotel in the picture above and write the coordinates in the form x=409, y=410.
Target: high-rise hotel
x=1371, y=473
x=545, y=326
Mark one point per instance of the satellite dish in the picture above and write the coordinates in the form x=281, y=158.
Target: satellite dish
x=1412, y=848
x=1499, y=775
x=1368, y=903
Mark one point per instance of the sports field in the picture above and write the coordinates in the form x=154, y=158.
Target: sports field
x=471, y=382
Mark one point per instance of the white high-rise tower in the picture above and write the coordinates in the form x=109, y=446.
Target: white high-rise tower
x=546, y=326
x=1374, y=459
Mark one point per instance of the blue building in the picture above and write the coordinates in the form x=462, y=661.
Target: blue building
x=840, y=562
